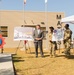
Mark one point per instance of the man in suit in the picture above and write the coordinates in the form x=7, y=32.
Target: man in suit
x=38, y=37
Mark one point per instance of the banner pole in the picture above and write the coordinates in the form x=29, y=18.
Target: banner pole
x=23, y=12
x=0, y=14
x=46, y=24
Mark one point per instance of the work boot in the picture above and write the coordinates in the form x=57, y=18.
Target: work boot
x=50, y=55
x=36, y=56
x=54, y=55
x=68, y=54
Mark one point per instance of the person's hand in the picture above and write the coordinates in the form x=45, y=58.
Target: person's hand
x=50, y=40
x=38, y=38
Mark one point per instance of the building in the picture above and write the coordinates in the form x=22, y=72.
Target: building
x=11, y=19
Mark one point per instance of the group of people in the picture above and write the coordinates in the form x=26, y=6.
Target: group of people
x=38, y=36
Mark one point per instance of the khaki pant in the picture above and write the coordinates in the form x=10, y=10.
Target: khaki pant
x=52, y=49
x=67, y=45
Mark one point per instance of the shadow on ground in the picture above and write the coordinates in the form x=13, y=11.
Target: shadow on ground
x=70, y=57
x=18, y=59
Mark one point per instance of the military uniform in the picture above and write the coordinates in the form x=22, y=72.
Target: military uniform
x=67, y=41
x=52, y=45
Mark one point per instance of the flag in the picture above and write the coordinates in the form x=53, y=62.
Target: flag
x=24, y=1
x=46, y=1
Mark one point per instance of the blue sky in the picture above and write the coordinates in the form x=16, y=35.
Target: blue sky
x=39, y=5
x=66, y=6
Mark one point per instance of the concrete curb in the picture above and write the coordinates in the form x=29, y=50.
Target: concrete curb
x=6, y=64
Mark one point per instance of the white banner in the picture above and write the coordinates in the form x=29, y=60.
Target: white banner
x=23, y=33
x=58, y=35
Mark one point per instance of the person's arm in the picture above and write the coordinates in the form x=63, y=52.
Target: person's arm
x=42, y=35
x=50, y=37
x=33, y=34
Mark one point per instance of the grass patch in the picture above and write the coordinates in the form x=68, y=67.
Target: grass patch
x=27, y=64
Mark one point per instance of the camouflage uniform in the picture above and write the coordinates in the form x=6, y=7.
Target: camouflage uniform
x=67, y=41
x=52, y=45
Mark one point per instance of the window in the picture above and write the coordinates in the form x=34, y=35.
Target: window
x=4, y=31
x=42, y=23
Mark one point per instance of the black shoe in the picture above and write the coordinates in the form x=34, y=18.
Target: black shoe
x=68, y=54
x=64, y=52
x=42, y=56
x=36, y=56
